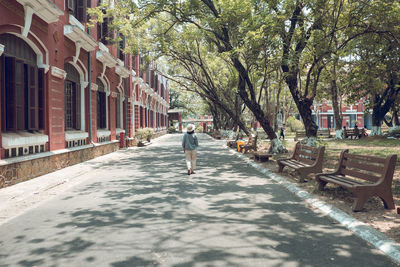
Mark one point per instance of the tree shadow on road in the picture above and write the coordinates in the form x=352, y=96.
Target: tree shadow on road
x=145, y=211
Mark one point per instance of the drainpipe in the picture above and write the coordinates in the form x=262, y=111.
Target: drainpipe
x=126, y=101
x=90, y=94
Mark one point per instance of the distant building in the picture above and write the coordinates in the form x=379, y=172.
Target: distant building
x=322, y=113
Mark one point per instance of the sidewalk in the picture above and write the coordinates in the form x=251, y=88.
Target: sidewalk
x=18, y=198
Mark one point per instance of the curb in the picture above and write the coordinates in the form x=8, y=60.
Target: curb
x=369, y=234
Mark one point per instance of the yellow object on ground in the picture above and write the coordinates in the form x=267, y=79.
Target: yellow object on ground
x=239, y=143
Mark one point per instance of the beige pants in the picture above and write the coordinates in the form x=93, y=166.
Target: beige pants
x=191, y=159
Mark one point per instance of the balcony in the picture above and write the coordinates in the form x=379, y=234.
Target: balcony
x=121, y=70
x=44, y=9
x=103, y=55
x=75, y=31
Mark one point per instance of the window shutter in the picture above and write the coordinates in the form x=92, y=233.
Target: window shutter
x=104, y=31
x=99, y=31
x=103, y=111
x=81, y=10
x=41, y=99
x=71, y=5
x=78, y=106
x=98, y=110
x=33, y=107
x=2, y=95
x=9, y=94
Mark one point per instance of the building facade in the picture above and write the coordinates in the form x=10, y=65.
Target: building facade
x=64, y=86
x=322, y=114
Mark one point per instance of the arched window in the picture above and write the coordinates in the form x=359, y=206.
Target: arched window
x=22, y=86
x=101, y=105
x=72, y=95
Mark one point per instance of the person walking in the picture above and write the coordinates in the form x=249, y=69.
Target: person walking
x=282, y=134
x=190, y=144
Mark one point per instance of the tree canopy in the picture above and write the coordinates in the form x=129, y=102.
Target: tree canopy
x=257, y=50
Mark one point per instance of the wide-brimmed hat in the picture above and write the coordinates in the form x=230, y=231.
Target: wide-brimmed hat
x=190, y=128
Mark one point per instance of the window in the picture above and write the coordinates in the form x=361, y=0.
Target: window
x=22, y=87
x=121, y=47
x=141, y=62
x=78, y=9
x=101, y=106
x=72, y=99
x=104, y=32
x=148, y=76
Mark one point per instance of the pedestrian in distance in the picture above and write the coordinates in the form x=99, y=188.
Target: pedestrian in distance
x=190, y=144
x=282, y=134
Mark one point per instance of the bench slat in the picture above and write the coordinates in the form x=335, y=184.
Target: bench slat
x=294, y=164
x=365, y=166
x=341, y=180
x=307, y=161
x=309, y=148
x=364, y=158
x=361, y=175
x=307, y=154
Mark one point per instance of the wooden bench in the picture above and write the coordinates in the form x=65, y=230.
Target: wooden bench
x=217, y=135
x=261, y=156
x=305, y=160
x=326, y=133
x=320, y=133
x=300, y=134
x=365, y=176
x=356, y=133
x=250, y=145
x=233, y=143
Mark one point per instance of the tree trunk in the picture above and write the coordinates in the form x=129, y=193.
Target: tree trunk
x=337, y=113
x=396, y=118
x=255, y=108
x=378, y=115
x=303, y=104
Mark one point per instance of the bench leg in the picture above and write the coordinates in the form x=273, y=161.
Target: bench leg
x=321, y=185
x=281, y=166
x=359, y=202
x=302, y=177
x=388, y=201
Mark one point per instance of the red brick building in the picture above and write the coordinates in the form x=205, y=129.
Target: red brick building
x=323, y=115
x=63, y=86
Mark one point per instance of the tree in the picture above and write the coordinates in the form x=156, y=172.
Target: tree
x=227, y=27
x=198, y=70
x=375, y=76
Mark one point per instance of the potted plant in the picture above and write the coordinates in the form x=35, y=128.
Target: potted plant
x=149, y=132
x=140, y=136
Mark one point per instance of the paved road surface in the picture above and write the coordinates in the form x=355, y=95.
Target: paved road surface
x=142, y=209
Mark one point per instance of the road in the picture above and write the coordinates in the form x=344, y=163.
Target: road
x=140, y=208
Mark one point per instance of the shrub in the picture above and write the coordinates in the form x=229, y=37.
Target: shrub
x=394, y=132
x=149, y=133
x=294, y=124
x=199, y=129
x=140, y=134
x=144, y=134
x=171, y=129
